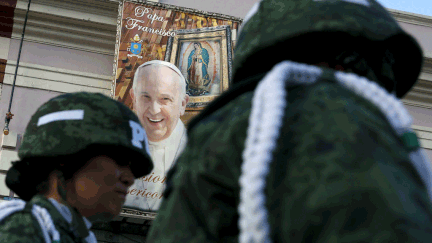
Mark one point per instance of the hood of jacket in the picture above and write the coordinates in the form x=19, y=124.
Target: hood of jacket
x=313, y=31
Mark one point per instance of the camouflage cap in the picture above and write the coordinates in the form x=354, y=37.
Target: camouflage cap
x=70, y=123
x=280, y=22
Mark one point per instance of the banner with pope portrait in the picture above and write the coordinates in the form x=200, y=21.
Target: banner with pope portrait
x=200, y=44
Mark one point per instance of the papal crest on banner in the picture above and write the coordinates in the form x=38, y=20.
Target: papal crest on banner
x=135, y=47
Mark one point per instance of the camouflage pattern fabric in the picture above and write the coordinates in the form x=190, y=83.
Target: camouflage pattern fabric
x=22, y=227
x=105, y=121
x=340, y=174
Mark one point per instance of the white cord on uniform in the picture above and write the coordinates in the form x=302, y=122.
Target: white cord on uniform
x=389, y=105
x=265, y=120
x=268, y=106
x=91, y=238
x=41, y=214
x=10, y=207
x=46, y=223
x=396, y=114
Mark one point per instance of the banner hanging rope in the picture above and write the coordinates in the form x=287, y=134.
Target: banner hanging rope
x=9, y=115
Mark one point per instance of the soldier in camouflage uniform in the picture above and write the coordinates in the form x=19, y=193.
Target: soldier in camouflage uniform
x=340, y=166
x=80, y=154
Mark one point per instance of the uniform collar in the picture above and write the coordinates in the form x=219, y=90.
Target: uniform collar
x=56, y=214
x=66, y=213
x=66, y=220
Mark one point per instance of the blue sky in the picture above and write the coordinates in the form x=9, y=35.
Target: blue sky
x=413, y=6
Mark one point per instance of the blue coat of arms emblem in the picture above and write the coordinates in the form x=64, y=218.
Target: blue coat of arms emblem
x=135, y=48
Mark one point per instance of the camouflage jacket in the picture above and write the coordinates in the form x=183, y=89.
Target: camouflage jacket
x=339, y=174
x=23, y=227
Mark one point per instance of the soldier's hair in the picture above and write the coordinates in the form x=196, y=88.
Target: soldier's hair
x=31, y=175
x=66, y=166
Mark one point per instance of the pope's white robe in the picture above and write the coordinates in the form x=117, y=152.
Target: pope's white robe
x=148, y=190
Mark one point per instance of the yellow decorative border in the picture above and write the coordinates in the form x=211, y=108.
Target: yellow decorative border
x=222, y=33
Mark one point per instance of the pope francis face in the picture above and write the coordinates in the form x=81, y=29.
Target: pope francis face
x=158, y=100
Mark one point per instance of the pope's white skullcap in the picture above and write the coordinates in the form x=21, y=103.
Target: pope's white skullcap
x=167, y=64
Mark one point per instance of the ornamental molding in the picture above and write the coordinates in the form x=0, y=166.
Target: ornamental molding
x=56, y=79
x=90, y=25
x=421, y=94
x=424, y=135
x=85, y=25
x=80, y=25
x=98, y=11
x=411, y=18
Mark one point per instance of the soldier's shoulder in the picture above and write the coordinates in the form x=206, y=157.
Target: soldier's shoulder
x=325, y=98
x=331, y=99
x=20, y=226
x=320, y=116
x=216, y=137
x=233, y=113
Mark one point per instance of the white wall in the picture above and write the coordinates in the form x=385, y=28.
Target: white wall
x=422, y=33
x=61, y=57
x=421, y=116
x=4, y=47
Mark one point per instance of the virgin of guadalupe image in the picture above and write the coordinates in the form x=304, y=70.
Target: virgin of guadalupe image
x=198, y=79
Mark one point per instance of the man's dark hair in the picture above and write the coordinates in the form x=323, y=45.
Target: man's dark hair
x=30, y=176
x=38, y=170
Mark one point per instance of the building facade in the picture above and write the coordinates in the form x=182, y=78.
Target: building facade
x=69, y=46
